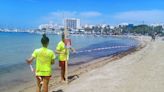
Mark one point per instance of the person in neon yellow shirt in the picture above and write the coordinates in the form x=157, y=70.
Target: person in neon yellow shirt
x=44, y=59
x=63, y=55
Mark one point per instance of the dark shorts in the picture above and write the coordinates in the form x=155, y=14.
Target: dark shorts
x=41, y=77
x=62, y=64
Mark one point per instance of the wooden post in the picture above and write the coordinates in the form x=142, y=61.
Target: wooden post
x=68, y=45
x=66, y=71
x=67, y=42
x=66, y=62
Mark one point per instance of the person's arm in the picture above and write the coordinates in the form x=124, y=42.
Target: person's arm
x=59, y=52
x=58, y=49
x=53, y=58
x=73, y=50
x=30, y=60
x=53, y=61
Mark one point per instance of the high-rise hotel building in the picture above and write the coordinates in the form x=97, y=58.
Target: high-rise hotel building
x=72, y=23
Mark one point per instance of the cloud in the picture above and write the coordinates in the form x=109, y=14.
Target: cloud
x=149, y=16
x=63, y=14
x=58, y=16
x=90, y=14
x=95, y=17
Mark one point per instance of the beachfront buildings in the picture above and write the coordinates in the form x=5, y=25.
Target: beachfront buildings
x=72, y=23
x=50, y=26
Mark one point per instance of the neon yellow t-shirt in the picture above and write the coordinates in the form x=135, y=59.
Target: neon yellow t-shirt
x=61, y=48
x=44, y=59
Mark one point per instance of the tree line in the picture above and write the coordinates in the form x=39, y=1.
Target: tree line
x=138, y=29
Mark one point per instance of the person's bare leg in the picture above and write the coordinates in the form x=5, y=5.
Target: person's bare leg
x=63, y=73
x=38, y=86
x=45, y=83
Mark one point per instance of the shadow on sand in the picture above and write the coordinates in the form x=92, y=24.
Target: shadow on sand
x=70, y=79
x=58, y=90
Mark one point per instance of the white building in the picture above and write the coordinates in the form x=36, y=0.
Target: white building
x=87, y=25
x=72, y=23
x=49, y=26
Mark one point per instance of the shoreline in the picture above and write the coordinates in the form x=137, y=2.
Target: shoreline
x=75, y=71
x=86, y=67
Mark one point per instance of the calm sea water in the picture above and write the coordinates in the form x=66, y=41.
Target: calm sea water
x=16, y=47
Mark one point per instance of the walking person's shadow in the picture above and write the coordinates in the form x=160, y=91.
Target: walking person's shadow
x=58, y=90
x=70, y=79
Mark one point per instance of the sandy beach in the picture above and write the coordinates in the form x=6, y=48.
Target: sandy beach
x=26, y=81
x=137, y=70
x=141, y=71
x=82, y=46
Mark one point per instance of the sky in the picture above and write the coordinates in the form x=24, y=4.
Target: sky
x=31, y=13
